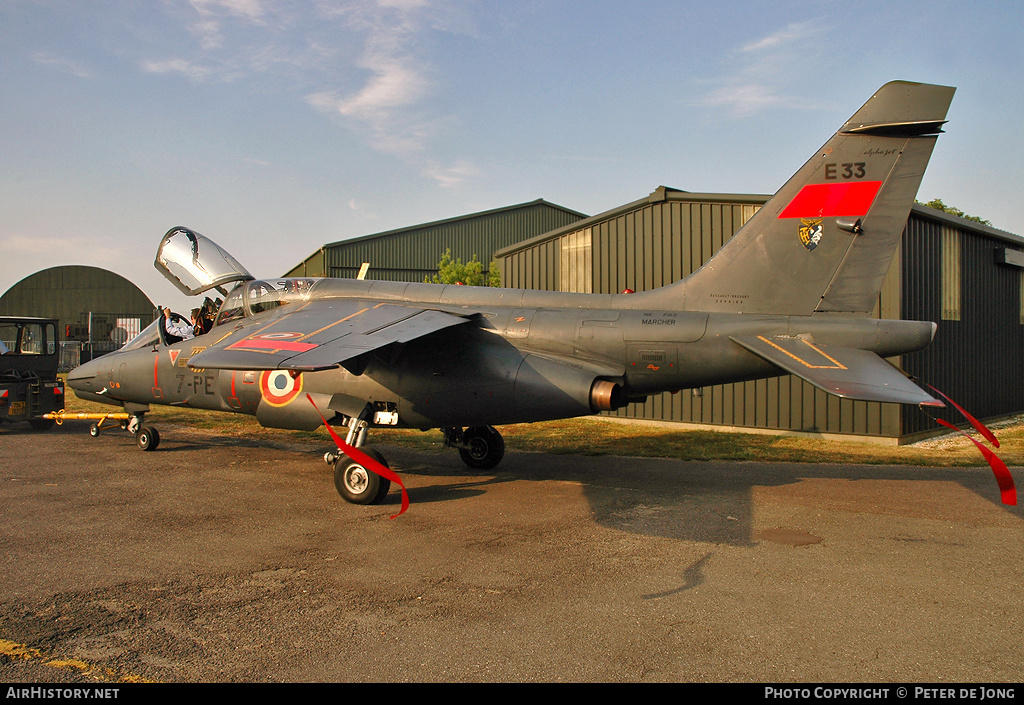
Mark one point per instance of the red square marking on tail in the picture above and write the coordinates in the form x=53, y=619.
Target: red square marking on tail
x=846, y=199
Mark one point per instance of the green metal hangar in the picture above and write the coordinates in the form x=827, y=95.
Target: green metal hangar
x=967, y=277
x=412, y=254
x=98, y=310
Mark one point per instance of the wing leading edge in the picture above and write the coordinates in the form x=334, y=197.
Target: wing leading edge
x=846, y=372
x=320, y=335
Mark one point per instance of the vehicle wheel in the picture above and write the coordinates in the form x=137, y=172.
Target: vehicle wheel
x=147, y=438
x=41, y=424
x=358, y=485
x=94, y=430
x=484, y=447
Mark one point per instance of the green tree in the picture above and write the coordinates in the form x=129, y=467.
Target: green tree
x=938, y=205
x=454, y=271
x=493, y=273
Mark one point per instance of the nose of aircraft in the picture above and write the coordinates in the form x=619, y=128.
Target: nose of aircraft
x=90, y=380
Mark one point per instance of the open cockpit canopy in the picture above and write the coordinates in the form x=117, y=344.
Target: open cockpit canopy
x=194, y=263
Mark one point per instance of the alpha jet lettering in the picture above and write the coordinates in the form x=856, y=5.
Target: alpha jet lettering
x=372, y=354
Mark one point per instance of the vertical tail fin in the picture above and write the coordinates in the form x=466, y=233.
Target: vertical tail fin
x=825, y=240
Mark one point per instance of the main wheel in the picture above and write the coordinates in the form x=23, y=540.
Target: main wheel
x=357, y=484
x=484, y=447
x=147, y=438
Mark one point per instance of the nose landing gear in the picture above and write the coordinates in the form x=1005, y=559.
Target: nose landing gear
x=147, y=437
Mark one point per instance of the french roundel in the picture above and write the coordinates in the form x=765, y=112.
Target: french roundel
x=278, y=387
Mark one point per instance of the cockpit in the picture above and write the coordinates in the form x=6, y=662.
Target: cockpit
x=194, y=264
x=150, y=337
x=255, y=297
x=248, y=299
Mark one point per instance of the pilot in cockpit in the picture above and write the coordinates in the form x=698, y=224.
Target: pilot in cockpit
x=176, y=327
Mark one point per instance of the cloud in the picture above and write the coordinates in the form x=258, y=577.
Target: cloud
x=762, y=70
x=384, y=106
x=220, y=59
x=367, y=63
x=449, y=176
x=210, y=11
x=358, y=208
x=389, y=104
x=797, y=32
x=743, y=100
x=192, y=71
x=59, y=62
x=396, y=83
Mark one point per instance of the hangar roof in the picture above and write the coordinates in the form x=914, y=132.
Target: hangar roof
x=660, y=194
x=666, y=193
x=411, y=252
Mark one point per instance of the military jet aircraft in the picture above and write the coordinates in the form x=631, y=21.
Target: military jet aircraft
x=791, y=292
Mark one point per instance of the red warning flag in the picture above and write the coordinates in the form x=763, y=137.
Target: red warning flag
x=365, y=460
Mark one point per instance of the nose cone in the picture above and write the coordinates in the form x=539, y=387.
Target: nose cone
x=90, y=380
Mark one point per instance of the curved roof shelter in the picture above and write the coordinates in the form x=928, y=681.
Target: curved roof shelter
x=90, y=303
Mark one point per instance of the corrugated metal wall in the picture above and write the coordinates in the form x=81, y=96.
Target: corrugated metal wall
x=411, y=254
x=978, y=351
x=664, y=242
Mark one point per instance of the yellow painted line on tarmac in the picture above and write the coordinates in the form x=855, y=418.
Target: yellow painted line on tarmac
x=22, y=652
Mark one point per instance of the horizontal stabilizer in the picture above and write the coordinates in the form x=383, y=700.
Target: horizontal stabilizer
x=846, y=372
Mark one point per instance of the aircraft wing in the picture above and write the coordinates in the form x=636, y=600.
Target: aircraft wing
x=320, y=334
x=846, y=372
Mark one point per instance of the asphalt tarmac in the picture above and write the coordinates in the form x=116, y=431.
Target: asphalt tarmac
x=218, y=559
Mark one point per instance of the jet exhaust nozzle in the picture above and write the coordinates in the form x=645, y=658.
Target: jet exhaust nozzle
x=606, y=396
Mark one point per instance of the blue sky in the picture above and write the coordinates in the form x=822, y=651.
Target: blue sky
x=274, y=127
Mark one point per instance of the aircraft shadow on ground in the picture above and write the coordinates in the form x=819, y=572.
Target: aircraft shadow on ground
x=703, y=501
x=711, y=502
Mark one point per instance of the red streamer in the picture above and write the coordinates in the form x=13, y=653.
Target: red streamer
x=978, y=425
x=365, y=460
x=1004, y=479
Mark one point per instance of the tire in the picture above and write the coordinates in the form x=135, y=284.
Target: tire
x=357, y=484
x=94, y=430
x=41, y=424
x=484, y=447
x=148, y=438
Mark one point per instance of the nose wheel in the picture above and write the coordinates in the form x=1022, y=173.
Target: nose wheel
x=357, y=484
x=147, y=438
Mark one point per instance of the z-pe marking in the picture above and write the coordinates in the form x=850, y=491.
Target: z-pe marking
x=21, y=652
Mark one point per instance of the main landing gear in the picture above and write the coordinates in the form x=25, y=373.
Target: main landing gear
x=355, y=482
x=480, y=447
x=146, y=437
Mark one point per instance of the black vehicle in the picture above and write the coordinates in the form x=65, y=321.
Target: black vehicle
x=29, y=355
